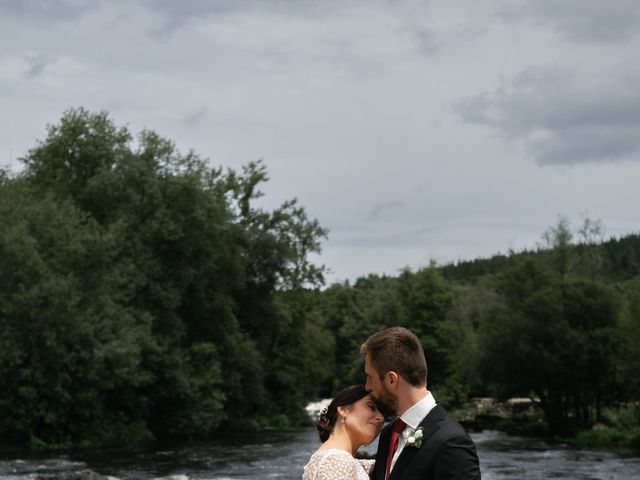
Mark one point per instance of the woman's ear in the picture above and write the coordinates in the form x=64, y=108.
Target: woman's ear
x=342, y=411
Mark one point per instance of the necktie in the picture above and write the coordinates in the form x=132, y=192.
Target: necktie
x=398, y=427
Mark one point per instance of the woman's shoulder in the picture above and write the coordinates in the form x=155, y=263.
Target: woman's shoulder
x=331, y=453
x=330, y=464
x=334, y=451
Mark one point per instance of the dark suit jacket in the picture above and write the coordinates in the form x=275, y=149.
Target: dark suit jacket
x=446, y=452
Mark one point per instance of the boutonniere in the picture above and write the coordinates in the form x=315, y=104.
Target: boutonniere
x=415, y=439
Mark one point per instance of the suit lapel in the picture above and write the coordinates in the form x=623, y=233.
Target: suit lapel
x=430, y=425
x=381, y=455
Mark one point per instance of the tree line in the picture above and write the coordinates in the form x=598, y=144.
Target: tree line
x=145, y=294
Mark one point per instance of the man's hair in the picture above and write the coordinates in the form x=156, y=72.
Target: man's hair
x=399, y=350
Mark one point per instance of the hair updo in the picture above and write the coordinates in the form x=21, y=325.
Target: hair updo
x=329, y=415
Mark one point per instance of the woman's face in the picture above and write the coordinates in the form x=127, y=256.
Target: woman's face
x=364, y=421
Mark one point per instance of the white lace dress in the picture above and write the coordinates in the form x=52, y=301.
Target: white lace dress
x=336, y=464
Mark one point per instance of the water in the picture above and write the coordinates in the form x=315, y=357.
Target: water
x=282, y=456
x=504, y=457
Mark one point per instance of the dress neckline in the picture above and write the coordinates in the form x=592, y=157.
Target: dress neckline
x=333, y=449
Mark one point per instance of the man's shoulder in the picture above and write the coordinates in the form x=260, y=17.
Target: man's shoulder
x=446, y=427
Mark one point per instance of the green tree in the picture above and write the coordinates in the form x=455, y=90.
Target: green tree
x=554, y=340
x=71, y=345
x=139, y=288
x=470, y=306
x=628, y=359
x=426, y=298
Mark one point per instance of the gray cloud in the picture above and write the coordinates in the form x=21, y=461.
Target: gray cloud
x=563, y=118
x=47, y=10
x=583, y=20
x=380, y=208
x=194, y=8
x=356, y=94
x=400, y=234
x=36, y=63
x=591, y=144
x=178, y=13
x=427, y=41
x=195, y=116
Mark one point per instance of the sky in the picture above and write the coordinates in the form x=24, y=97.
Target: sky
x=415, y=131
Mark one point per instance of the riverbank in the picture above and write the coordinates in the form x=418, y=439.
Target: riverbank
x=618, y=431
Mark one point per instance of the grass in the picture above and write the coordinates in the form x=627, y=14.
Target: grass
x=620, y=429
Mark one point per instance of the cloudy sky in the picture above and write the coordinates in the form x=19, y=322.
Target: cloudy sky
x=414, y=130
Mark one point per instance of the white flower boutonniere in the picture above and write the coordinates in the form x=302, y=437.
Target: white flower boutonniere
x=415, y=439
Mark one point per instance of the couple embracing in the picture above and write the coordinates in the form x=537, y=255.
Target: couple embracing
x=424, y=442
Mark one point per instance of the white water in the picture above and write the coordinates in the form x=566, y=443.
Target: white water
x=282, y=456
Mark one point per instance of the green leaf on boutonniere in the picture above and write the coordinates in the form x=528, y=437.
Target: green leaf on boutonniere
x=415, y=439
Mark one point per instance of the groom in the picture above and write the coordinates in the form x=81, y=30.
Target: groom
x=424, y=442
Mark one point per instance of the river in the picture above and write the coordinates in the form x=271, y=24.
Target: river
x=281, y=456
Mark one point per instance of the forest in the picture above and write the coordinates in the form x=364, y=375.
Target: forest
x=146, y=295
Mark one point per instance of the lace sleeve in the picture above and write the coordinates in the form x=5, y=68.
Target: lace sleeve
x=367, y=464
x=337, y=467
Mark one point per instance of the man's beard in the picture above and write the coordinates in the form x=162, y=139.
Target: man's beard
x=388, y=400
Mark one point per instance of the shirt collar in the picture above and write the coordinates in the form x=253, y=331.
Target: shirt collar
x=418, y=411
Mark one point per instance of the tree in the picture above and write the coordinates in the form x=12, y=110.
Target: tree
x=591, y=235
x=558, y=240
x=72, y=347
x=628, y=355
x=425, y=298
x=140, y=287
x=555, y=341
x=471, y=305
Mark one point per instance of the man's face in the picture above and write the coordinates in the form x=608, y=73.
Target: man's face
x=377, y=387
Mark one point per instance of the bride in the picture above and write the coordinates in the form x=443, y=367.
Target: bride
x=351, y=420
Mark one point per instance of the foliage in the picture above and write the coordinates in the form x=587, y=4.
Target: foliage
x=608, y=437
x=627, y=360
x=554, y=337
x=619, y=429
x=138, y=290
x=145, y=294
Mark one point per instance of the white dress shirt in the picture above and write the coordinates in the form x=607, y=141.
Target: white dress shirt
x=413, y=417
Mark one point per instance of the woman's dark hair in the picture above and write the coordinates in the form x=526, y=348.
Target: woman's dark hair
x=329, y=416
